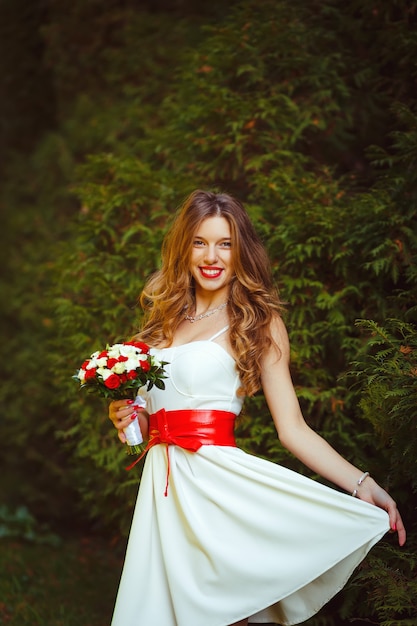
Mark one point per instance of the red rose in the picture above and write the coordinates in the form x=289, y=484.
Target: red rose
x=143, y=347
x=122, y=358
x=123, y=378
x=103, y=354
x=84, y=365
x=132, y=374
x=111, y=363
x=112, y=382
x=90, y=374
x=145, y=365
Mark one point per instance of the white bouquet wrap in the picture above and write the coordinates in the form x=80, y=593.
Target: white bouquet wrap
x=133, y=432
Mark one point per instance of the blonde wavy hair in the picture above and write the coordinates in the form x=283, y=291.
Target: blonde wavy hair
x=253, y=301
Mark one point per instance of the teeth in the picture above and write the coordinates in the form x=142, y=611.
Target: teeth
x=211, y=272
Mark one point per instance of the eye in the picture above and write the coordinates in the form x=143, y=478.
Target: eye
x=198, y=243
x=226, y=244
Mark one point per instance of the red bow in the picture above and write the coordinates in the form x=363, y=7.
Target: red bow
x=189, y=429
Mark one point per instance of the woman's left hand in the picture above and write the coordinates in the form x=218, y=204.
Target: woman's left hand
x=371, y=492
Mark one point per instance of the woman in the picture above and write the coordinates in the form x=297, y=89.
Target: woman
x=221, y=537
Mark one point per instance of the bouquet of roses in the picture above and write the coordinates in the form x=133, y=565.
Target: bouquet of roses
x=118, y=372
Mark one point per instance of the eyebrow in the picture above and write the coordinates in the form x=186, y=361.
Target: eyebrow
x=197, y=236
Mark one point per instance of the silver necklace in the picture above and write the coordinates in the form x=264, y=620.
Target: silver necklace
x=197, y=318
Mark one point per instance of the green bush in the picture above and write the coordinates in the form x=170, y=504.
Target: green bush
x=278, y=103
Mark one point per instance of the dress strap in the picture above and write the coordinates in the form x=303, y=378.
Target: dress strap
x=223, y=330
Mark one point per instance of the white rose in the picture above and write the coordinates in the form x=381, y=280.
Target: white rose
x=113, y=353
x=128, y=351
x=119, y=368
x=131, y=364
x=104, y=372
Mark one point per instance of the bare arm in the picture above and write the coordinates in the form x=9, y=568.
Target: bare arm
x=307, y=445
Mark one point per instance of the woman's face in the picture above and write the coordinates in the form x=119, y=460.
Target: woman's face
x=211, y=258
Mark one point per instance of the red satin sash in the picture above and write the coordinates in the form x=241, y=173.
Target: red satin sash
x=190, y=429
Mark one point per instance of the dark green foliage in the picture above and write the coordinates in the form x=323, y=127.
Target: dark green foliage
x=69, y=584
x=388, y=374
x=21, y=524
x=390, y=577
x=293, y=107
x=27, y=98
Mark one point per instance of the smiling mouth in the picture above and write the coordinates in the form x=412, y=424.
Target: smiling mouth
x=210, y=272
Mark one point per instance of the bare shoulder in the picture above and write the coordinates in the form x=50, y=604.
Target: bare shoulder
x=281, y=343
x=276, y=376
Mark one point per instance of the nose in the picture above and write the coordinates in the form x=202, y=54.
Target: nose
x=211, y=254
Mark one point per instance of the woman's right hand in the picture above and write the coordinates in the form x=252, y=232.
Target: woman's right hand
x=123, y=412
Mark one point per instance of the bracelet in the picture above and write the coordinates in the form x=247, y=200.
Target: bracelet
x=360, y=481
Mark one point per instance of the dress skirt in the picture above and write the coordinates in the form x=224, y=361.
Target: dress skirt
x=237, y=536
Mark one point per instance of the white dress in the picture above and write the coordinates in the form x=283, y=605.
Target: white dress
x=236, y=536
